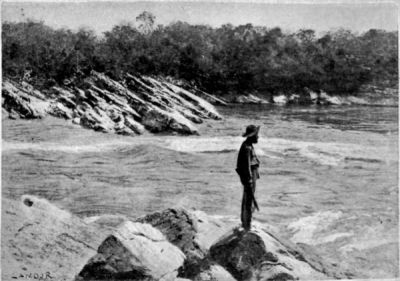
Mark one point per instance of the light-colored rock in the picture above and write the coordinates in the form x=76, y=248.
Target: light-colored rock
x=208, y=229
x=133, y=125
x=20, y=101
x=135, y=251
x=39, y=238
x=267, y=272
x=97, y=120
x=313, y=96
x=58, y=109
x=281, y=99
x=189, y=87
x=356, y=100
x=210, y=98
x=326, y=99
x=250, y=99
x=214, y=273
x=157, y=120
x=76, y=120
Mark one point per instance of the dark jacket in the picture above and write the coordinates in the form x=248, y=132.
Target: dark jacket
x=247, y=163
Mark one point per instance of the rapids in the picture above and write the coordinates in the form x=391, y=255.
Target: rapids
x=329, y=175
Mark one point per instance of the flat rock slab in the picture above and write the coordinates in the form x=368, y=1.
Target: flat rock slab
x=39, y=239
x=135, y=251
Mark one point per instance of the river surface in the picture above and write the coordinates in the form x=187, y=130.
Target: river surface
x=329, y=175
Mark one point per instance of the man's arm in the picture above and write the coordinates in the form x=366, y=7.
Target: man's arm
x=247, y=174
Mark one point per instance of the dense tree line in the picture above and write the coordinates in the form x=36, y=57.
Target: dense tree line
x=229, y=59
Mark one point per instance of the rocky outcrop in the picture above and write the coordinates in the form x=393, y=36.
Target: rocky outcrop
x=129, y=107
x=174, y=244
x=135, y=251
x=192, y=88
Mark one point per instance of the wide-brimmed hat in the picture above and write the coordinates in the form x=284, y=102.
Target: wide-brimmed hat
x=251, y=130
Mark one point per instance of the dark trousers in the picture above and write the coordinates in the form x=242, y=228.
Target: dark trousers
x=247, y=203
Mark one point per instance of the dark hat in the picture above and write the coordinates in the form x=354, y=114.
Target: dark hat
x=251, y=130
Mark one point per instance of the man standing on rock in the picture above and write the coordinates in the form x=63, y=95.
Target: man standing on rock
x=247, y=168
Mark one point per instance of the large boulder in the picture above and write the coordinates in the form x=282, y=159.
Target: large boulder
x=135, y=251
x=256, y=255
x=193, y=232
x=40, y=239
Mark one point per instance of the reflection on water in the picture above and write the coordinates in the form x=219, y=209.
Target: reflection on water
x=328, y=175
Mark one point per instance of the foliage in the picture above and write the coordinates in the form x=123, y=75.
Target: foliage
x=227, y=59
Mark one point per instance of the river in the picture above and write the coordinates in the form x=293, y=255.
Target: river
x=329, y=175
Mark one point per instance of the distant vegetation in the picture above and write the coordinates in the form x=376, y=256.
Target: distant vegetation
x=225, y=60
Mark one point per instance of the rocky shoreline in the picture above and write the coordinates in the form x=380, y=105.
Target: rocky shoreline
x=129, y=107
x=140, y=104
x=368, y=95
x=39, y=239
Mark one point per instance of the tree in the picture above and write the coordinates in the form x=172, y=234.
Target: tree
x=146, y=22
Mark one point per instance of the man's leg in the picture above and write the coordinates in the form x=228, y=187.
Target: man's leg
x=246, y=207
x=253, y=189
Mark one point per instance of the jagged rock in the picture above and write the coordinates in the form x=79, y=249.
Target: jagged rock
x=18, y=100
x=110, y=106
x=58, y=109
x=249, y=99
x=157, y=120
x=39, y=238
x=97, y=120
x=133, y=125
x=210, y=98
x=189, y=87
x=206, y=109
x=325, y=99
x=135, y=251
x=253, y=255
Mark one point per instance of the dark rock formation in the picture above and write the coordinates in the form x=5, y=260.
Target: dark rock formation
x=129, y=107
x=252, y=255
